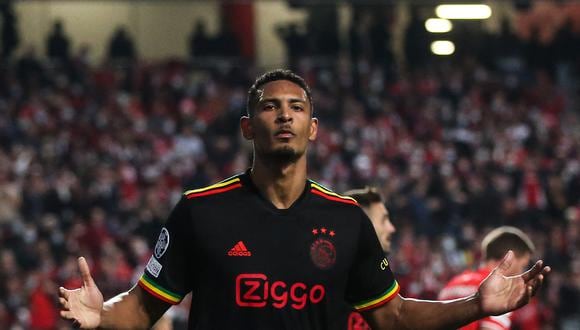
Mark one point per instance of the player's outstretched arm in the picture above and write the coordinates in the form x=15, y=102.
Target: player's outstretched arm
x=497, y=294
x=129, y=310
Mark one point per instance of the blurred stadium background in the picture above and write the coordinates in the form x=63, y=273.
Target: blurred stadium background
x=108, y=109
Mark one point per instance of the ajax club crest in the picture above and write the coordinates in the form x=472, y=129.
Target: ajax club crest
x=322, y=250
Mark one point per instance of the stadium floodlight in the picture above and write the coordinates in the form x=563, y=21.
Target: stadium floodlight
x=442, y=47
x=471, y=11
x=438, y=25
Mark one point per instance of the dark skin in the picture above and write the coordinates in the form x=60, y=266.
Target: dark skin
x=281, y=128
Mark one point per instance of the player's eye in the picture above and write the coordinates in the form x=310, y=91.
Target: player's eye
x=269, y=107
x=297, y=107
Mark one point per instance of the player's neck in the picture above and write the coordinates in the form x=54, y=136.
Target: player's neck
x=282, y=185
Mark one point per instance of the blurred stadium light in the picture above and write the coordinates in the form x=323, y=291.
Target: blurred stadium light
x=464, y=11
x=438, y=25
x=442, y=47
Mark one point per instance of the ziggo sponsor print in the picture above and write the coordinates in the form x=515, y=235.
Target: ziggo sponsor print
x=254, y=290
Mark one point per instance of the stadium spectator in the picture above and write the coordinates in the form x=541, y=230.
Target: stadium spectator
x=295, y=41
x=199, y=41
x=121, y=46
x=10, y=37
x=58, y=43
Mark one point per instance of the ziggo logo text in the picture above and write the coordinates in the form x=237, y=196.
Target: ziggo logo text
x=254, y=290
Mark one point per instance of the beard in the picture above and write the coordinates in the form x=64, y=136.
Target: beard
x=282, y=155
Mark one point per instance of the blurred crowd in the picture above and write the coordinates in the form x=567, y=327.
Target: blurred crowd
x=92, y=158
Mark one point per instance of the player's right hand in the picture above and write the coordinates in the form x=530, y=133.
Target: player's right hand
x=83, y=306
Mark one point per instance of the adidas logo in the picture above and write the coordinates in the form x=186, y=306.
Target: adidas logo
x=239, y=250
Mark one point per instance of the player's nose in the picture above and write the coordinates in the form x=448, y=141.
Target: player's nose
x=284, y=114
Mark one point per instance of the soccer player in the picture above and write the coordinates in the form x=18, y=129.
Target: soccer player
x=372, y=203
x=494, y=246
x=271, y=249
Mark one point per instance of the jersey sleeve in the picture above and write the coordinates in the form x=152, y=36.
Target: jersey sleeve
x=166, y=274
x=371, y=282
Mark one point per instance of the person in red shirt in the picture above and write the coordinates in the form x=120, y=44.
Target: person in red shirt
x=43, y=310
x=530, y=316
x=493, y=247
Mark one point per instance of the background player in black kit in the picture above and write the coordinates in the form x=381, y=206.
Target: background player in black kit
x=297, y=249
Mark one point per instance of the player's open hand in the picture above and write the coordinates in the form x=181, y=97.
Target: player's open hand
x=500, y=294
x=83, y=305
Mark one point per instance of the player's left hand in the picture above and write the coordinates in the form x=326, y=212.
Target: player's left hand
x=500, y=294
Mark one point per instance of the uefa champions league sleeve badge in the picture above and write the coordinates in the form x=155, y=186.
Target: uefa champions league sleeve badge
x=162, y=243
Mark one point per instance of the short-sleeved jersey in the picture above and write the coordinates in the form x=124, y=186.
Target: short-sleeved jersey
x=250, y=265
x=466, y=284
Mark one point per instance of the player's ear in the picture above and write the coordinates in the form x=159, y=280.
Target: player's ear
x=247, y=129
x=313, y=129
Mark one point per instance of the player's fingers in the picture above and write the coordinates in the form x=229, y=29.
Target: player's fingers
x=530, y=292
x=506, y=263
x=531, y=287
x=66, y=315
x=535, y=284
x=534, y=271
x=538, y=282
x=85, y=272
x=63, y=292
x=64, y=303
x=546, y=270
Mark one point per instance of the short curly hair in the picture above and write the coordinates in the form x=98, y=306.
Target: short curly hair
x=274, y=75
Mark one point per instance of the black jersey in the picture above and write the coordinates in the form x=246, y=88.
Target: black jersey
x=250, y=265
